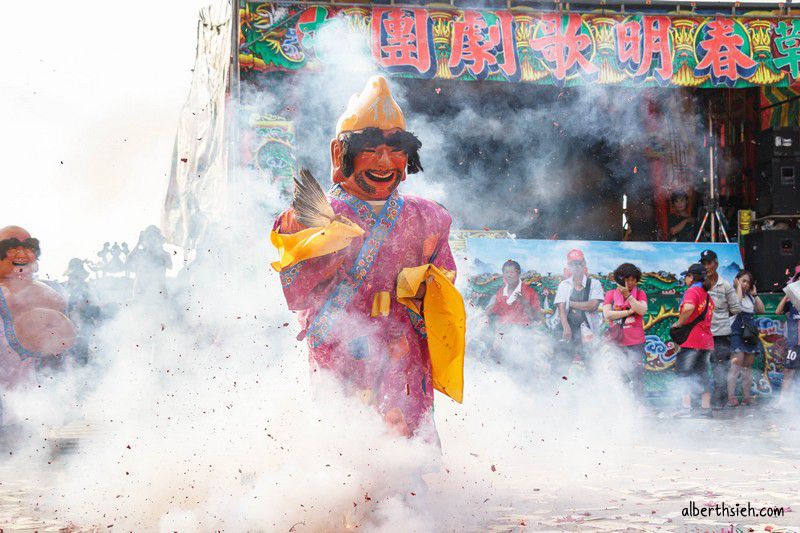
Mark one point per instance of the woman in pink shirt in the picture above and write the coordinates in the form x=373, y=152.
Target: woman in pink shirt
x=692, y=362
x=623, y=308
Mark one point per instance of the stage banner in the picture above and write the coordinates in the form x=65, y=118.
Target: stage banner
x=543, y=264
x=521, y=45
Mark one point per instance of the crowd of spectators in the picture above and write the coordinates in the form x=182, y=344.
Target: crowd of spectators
x=715, y=329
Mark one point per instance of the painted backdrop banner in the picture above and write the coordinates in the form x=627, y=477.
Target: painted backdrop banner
x=543, y=263
x=520, y=45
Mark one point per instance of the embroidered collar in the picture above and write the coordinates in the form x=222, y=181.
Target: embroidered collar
x=381, y=226
x=362, y=208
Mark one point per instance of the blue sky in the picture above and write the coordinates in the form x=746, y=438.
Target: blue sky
x=601, y=256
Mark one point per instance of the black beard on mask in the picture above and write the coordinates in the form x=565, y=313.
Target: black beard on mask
x=364, y=184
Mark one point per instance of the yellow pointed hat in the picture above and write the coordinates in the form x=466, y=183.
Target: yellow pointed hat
x=373, y=107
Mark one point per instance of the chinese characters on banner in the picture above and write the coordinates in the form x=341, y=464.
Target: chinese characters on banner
x=402, y=40
x=564, y=46
x=549, y=48
x=643, y=47
x=722, y=54
x=482, y=44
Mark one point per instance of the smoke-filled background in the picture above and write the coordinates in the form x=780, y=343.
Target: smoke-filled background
x=90, y=97
x=195, y=412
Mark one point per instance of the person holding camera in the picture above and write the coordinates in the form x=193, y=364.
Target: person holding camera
x=692, y=331
x=744, y=338
x=624, y=308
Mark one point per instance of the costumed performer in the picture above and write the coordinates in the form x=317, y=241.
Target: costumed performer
x=370, y=272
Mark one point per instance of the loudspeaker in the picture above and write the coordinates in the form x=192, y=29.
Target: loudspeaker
x=771, y=256
x=778, y=142
x=778, y=187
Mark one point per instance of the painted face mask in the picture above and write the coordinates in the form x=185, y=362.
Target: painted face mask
x=372, y=151
x=18, y=253
x=373, y=162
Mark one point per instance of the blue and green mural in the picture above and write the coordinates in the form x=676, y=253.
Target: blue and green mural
x=543, y=263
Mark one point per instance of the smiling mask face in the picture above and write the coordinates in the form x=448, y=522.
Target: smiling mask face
x=18, y=253
x=370, y=164
x=372, y=151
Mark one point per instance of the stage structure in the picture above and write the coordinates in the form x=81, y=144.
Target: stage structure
x=261, y=47
x=523, y=45
x=696, y=46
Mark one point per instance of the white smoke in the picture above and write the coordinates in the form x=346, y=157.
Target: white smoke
x=196, y=414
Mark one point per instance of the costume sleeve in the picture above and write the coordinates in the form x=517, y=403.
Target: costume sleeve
x=296, y=243
x=305, y=281
x=445, y=322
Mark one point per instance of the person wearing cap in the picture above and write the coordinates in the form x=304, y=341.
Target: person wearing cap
x=577, y=299
x=692, y=361
x=792, y=362
x=373, y=283
x=726, y=305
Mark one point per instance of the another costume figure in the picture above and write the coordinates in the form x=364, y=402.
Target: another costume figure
x=31, y=313
x=370, y=271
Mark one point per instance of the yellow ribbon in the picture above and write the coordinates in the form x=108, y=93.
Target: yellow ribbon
x=445, y=323
x=381, y=304
x=312, y=242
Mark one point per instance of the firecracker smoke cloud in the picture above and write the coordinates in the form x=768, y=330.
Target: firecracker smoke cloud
x=197, y=414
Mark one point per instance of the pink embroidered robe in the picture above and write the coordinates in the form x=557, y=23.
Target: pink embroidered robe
x=384, y=359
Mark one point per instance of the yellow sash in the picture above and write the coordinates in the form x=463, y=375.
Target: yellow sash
x=312, y=242
x=445, y=323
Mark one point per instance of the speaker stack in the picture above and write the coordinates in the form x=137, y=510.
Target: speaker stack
x=773, y=253
x=771, y=256
x=778, y=174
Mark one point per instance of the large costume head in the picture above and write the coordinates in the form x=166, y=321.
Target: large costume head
x=372, y=150
x=18, y=253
